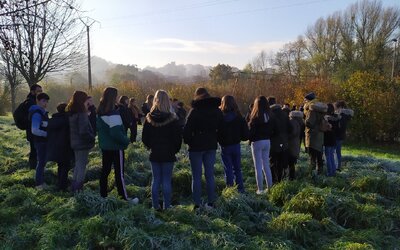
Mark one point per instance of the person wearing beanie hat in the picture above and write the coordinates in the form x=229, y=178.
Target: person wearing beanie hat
x=314, y=133
x=310, y=96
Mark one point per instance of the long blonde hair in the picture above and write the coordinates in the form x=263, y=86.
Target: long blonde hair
x=161, y=102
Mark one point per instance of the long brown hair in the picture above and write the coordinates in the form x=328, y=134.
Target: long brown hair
x=123, y=99
x=107, y=101
x=77, y=102
x=228, y=104
x=260, y=108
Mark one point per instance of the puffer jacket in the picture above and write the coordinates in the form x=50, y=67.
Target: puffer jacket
x=280, y=136
x=203, y=122
x=111, y=131
x=82, y=135
x=345, y=117
x=162, y=134
x=297, y=124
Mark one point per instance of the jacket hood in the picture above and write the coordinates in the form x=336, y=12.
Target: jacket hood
x=230, y=116
x=318, y=107
x=349, y=112
x=35, y=107
x=296, y=114
x=159, y=119
x=275, y=107
x=209, y=102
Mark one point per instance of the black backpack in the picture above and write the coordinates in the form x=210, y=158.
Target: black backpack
x=21, y=115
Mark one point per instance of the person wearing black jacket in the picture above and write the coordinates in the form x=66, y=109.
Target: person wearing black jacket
x=261, y=125
x=200, y=133
x=279, y=141
x=58, y=144
x=126, y=117
x=345, y=116
x=233, y=130
x=330, y=139
x=35, y=89
x=162, y=134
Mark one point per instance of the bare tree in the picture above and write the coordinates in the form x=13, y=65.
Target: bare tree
x=10, y=73
x=42, y=38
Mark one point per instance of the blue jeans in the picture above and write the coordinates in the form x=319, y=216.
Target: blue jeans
x=197, y=159
x=232, y=160
x=41, y=162
x=330, y=160
x=260, y=151
x=162, y=175
x=339, y=153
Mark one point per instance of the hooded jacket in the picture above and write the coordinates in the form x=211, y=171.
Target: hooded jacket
x=315, y=112
x=203, y=122
x=346, y=115
x=111, y=131
x=162, y=134
x=330, y=135
x=233, y=130
x=280, y=136
x=297, y=124
x=58, y=139
x=261, y=128
x=38, y=118
x=126, y=117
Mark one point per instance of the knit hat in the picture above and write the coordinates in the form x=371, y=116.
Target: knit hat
x=310, y=96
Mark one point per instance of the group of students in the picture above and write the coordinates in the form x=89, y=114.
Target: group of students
x=274, y=132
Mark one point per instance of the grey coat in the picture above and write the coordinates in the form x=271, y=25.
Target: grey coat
x=297, y=124
x=81, y=133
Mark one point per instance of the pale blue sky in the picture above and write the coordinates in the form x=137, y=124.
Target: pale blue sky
x=208, y=32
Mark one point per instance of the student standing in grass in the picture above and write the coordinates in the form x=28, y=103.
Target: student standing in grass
x=345, y=116
x=39, y=121
x=233, y=130
x=162, y=134
x=297, y=124
x=314, y=132
x=200, y=133
x=261, y=126
x=58, y=144
x=330, y=139
x=135, y=115
x=112, y=142
x=82, y=136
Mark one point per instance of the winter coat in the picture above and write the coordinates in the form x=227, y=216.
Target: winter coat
x=282, y=128
x=297, y=124
x=315, y=112
x=145, y=108
x=82, y=136
x=162, y=134
x=330, y=135
x=261, y=128
x=38, y=118
x=58, y=139
x=233, y=130
x=111, y=132
x=203, y=123
x=346, y=115
x=126, y=116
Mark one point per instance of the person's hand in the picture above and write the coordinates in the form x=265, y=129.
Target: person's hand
x=44, y=124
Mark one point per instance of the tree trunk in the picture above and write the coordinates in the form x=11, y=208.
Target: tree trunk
x=13, y=90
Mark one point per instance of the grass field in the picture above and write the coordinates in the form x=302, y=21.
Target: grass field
x=357, y=209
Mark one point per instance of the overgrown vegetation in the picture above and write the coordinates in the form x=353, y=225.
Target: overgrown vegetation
x=357, y=209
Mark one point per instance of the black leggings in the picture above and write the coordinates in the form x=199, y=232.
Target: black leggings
x=113, y=158
x=316, y=161
x=279, y=163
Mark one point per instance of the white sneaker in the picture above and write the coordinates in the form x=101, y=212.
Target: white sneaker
x=42, y=187
x=209, y=206
x=260, y=192
x=134, y=201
